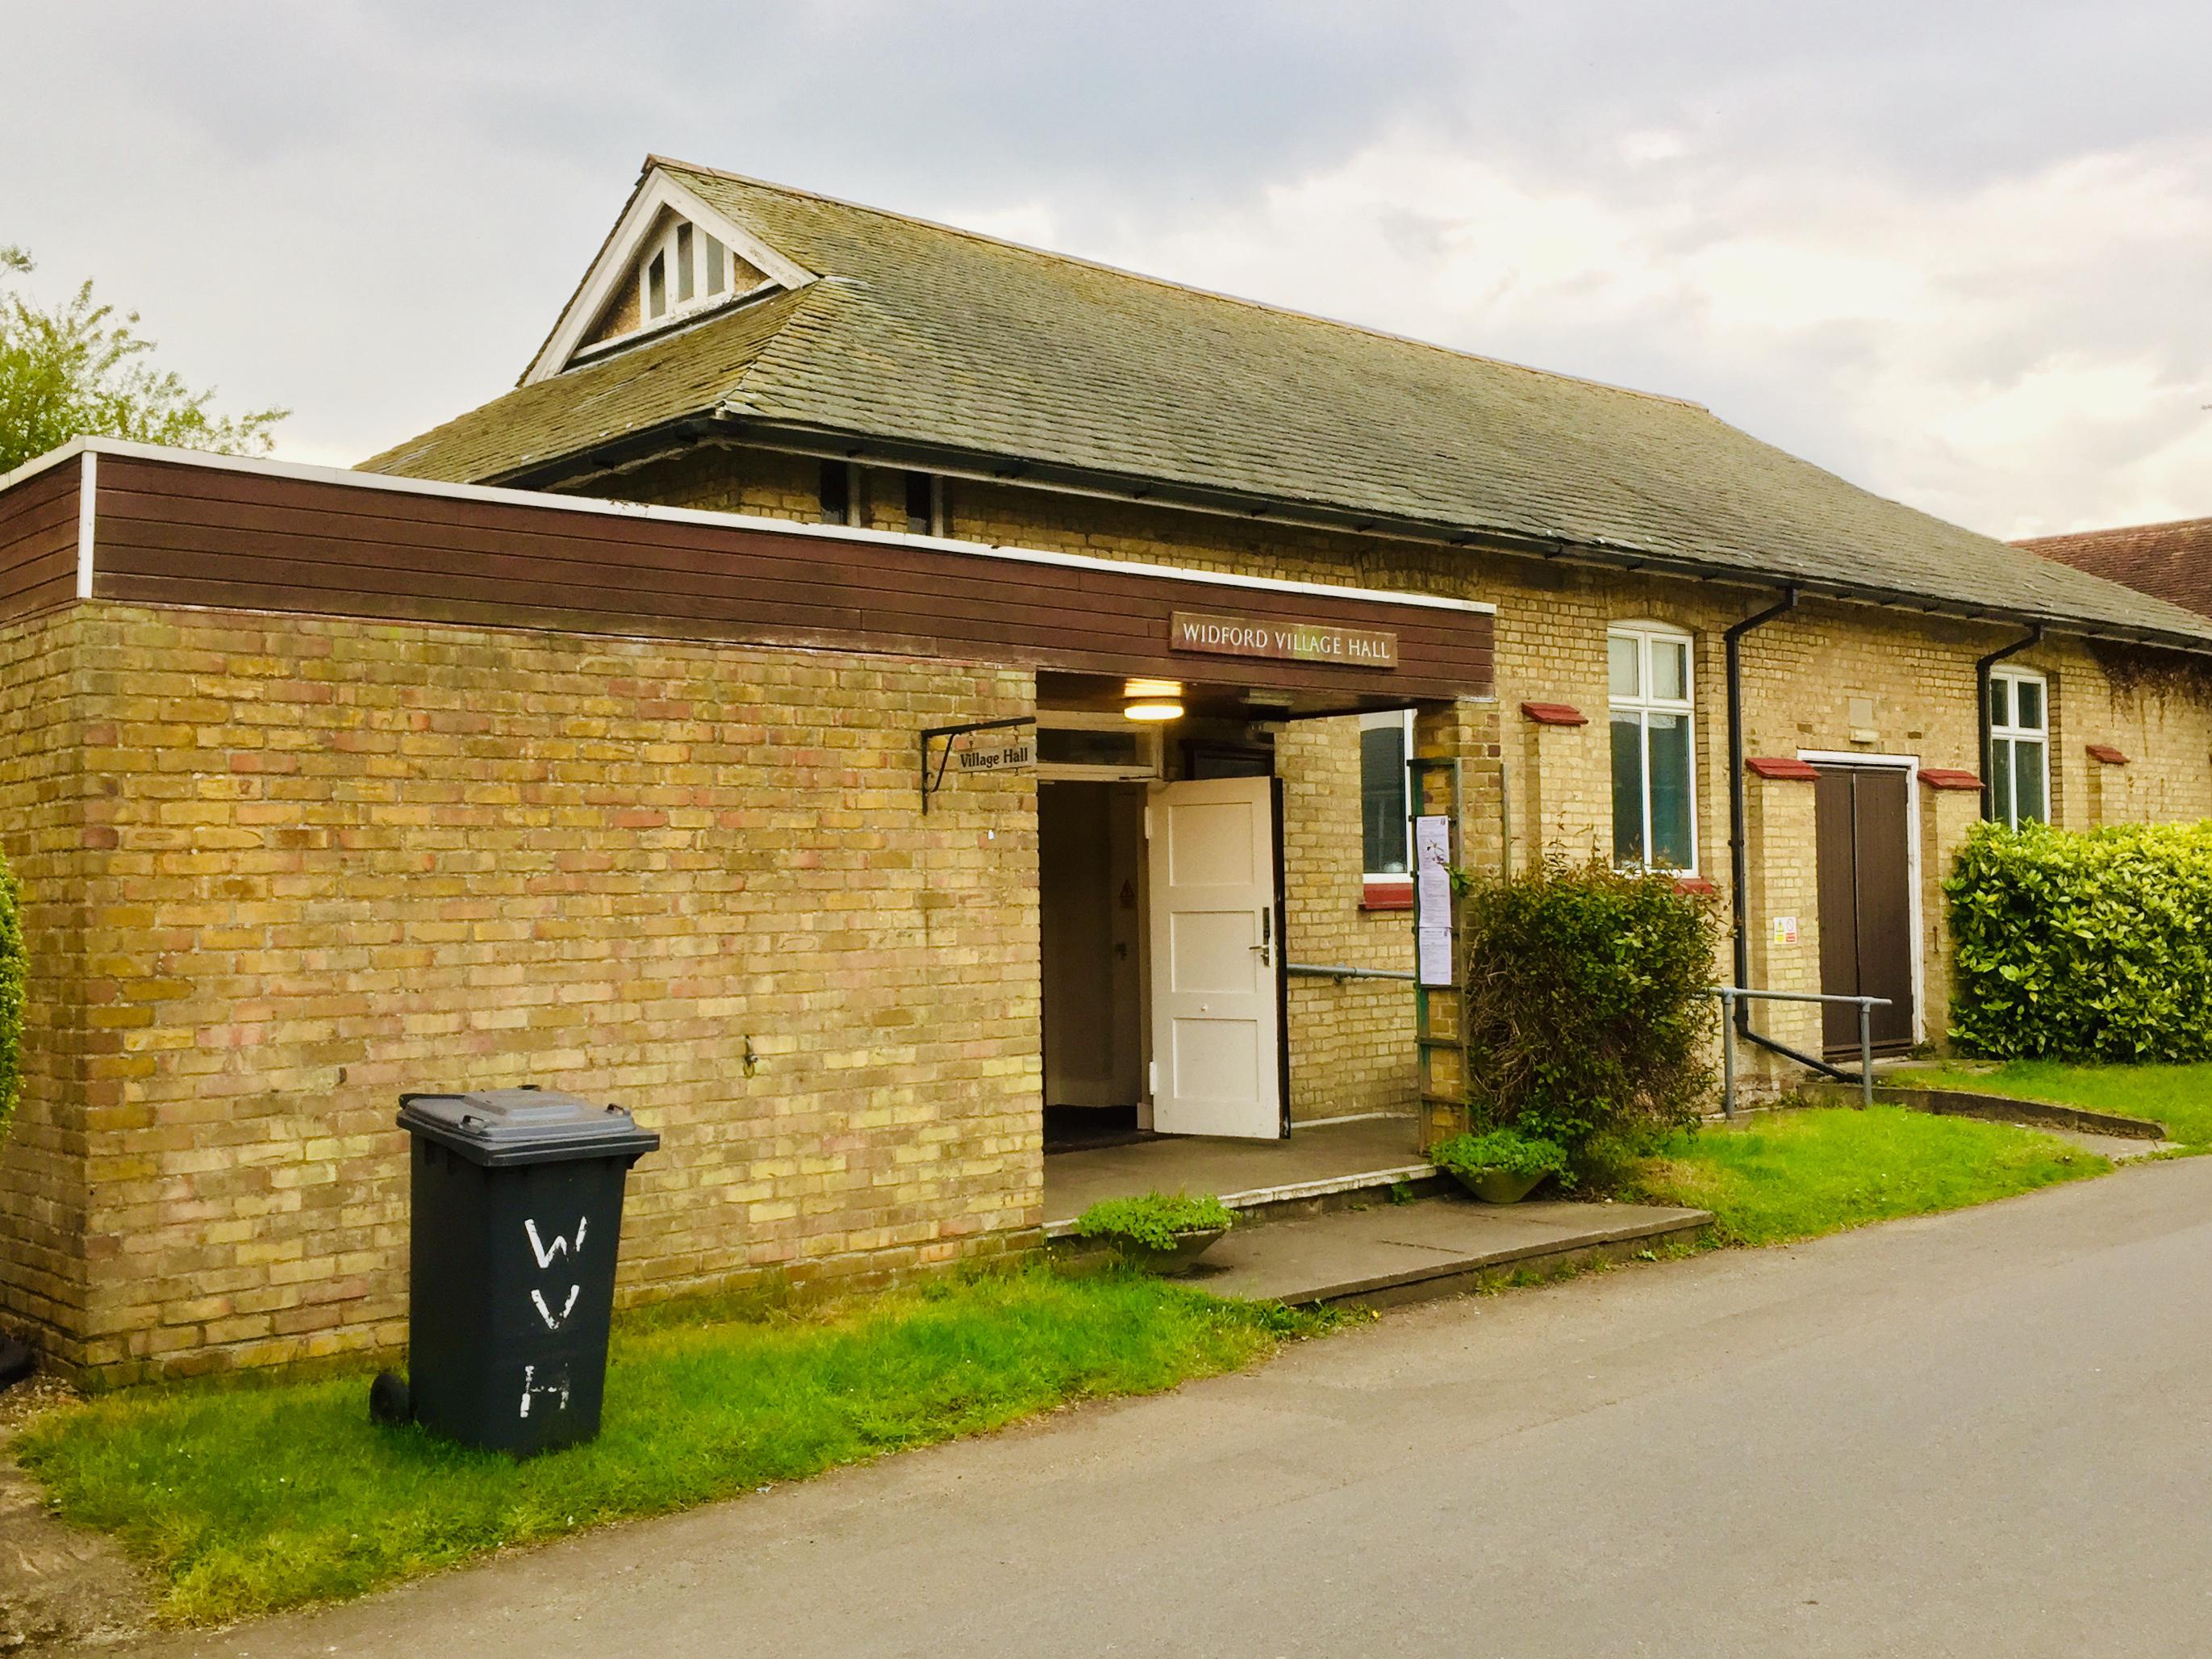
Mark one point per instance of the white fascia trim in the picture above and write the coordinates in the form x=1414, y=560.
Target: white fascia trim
x=46, y=463
x=87, y=494
x=351, y=479
x=658, y=193
x=88, y=500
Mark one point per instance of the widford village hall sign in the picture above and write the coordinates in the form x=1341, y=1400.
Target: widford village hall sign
x=1294, y=641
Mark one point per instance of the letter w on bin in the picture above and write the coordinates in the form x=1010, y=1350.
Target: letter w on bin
x=517, y=1211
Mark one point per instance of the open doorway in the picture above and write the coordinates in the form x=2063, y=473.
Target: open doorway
x=1160, y=927
x=1090, y=840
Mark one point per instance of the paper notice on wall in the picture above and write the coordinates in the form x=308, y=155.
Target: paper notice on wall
x=1434, y=955
x=1432, y=871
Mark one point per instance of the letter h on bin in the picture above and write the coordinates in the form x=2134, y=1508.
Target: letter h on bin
x=517, y=1199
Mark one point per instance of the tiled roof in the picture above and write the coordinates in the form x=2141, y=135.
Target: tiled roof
x=2171, y=561
x=664, y=380
x=922, y=335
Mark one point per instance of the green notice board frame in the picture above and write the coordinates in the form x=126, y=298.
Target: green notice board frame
x=1439, y=1010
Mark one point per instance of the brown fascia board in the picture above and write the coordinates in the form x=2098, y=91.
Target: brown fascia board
x=740, y=431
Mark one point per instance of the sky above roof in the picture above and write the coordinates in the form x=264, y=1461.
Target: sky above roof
x=1956, y=253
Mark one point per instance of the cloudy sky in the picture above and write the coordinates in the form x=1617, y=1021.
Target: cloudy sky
x=1960, y=253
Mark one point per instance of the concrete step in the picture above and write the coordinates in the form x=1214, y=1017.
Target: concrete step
x=1391, y=1254
x=1318, y=1196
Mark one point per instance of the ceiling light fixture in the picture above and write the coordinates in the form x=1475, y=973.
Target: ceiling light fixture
x=1152, y=700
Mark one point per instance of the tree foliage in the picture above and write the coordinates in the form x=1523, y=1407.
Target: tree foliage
x=83, y=369
x=2090, y=944
x=1588, y=1021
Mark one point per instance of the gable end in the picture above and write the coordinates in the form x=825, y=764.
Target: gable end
x=672, y=259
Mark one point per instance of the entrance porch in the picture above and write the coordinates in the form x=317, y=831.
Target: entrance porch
x=1319, y=1162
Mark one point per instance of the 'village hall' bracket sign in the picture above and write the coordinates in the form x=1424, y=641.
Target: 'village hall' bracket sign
x=990, y=746
x=1287, y=642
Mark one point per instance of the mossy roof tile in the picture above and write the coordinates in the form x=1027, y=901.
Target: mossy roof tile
x=925, y=335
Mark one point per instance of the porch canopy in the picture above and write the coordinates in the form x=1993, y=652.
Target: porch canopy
x=107, y=520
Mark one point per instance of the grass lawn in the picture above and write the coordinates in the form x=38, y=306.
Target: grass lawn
x=1795, y=1175
x=2179, y=1097
x=252, y=1495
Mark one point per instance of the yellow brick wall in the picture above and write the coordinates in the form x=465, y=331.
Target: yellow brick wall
x=46, y=794
x=278, y=871
x=1780, y=827
x=1801, y=675
x=333, y=862
x=1353, y=1041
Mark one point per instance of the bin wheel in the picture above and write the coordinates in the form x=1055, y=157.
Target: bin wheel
x=388, y=1399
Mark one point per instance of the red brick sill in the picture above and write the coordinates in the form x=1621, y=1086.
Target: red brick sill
x=1388, y=893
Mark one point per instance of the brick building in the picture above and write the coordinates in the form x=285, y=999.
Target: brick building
x=740, y=720
x=2171, y=561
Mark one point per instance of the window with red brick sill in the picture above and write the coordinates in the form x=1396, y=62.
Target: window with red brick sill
x=1654, y=747
x=1386, y=835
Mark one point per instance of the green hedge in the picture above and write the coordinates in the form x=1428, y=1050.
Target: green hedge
x=2084, y=945
x=11, y=991
x=1588, y=1025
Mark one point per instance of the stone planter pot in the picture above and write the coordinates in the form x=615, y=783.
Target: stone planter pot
x=1188, y=1247
x=1498, y=1186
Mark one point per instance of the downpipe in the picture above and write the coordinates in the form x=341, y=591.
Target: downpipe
x=1739, y=839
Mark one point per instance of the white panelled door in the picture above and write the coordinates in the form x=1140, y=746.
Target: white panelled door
x=1217, y=1066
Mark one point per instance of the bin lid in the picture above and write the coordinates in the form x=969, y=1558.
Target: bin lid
x=497, y=1126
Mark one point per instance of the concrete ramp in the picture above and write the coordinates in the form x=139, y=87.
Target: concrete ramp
x=1397, y=1253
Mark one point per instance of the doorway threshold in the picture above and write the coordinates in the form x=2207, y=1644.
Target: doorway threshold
x=1088, y=1128
x=1320, y=1165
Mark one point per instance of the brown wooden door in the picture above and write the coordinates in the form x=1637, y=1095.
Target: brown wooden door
x=1866, y=902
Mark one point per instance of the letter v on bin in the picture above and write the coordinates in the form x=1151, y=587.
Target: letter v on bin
x=515, y=1213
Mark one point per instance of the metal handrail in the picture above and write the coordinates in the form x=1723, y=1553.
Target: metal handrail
x=1316, y=970
x=1728, y=994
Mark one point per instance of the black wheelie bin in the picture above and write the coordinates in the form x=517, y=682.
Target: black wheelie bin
x=517, y=1202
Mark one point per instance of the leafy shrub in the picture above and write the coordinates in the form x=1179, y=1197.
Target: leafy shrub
x=11, y=992
x=1153, y=1219
x=1507, y=1150
x=1588, y=1025
x=2091, y=944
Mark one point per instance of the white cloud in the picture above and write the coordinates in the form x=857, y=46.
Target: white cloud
x=1648, y=144
x=2009, y=355
x=1029, y=223
x=1867, y=233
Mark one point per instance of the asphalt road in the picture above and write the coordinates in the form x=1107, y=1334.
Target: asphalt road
x=1983, y=1433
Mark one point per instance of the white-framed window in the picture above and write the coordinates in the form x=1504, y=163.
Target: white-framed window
x=2020, y=747
x=684, y=269
x=1386, y=836
x=1655, y=767
x=1098, y=748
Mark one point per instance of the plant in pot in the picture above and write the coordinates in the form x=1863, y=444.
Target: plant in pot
x=1161, y=1232
x=1500, y=1166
